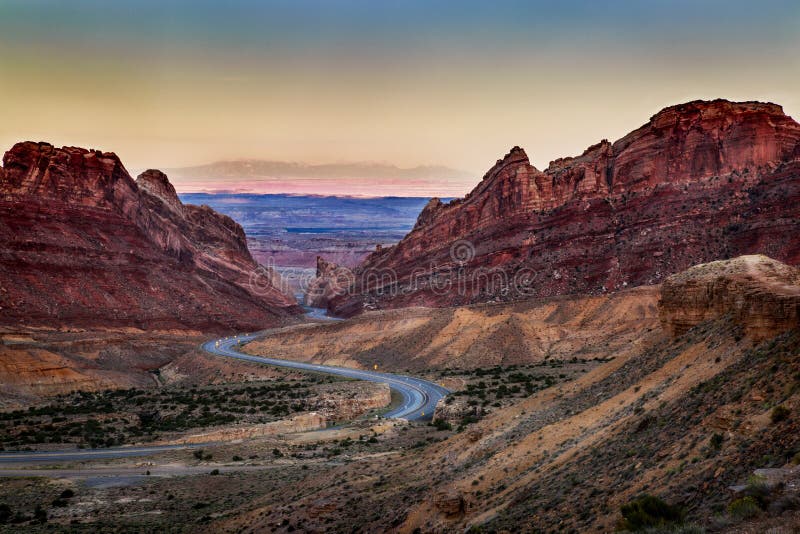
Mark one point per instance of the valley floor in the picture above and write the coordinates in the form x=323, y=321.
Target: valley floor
x=564, y=410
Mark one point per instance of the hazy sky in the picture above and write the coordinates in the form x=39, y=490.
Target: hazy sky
x=173, y=83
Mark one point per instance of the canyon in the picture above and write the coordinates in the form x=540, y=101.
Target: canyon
x=647, y=345
x=701, y=181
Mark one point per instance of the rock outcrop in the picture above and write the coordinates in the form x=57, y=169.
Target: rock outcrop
x=303, y=422
x=454, y=410
x=700, y=181
x=331, y=280
x=336, y=403
x=83, y=245
x=760, y=294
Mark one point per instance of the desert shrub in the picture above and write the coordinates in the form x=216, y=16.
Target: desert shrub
x=237, y=458
x=744, y=508
x=277, y=453
x=214, y=472
x=784, y=503
x=5, y=513
x=779, y=413
x=648, y=511
x=67, y=494
x=758, y=490
x=441, y=424
x=39, y=515
x=675, y=529
x=716, y=441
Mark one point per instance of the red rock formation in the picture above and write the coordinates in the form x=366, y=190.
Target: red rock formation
x=156, y=183
x=700, y=181
x=331, y=281
x=759, y=293
x=84, y=245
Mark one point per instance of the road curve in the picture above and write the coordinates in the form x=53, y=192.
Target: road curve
x=419, y=399
x=419, y=396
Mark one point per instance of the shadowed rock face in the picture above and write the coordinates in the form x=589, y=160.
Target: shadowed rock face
x=761, y=294
x=700, y=181
x=84, y=245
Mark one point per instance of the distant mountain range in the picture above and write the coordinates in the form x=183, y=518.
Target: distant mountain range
x=356, y=179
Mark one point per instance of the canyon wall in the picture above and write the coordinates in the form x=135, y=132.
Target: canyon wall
x=84, y=245
x=701, y=181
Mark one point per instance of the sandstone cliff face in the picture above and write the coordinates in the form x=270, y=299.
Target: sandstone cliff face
x=84, y=245
x=759, y=293
x=700, y=181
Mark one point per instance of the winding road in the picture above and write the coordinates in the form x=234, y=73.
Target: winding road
x=419, y=398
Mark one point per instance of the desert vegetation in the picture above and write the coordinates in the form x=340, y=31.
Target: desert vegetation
x=117, y=417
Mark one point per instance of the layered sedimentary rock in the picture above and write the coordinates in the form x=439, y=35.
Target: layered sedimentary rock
x=700, y=181
x=760, y=294
x=84, y=245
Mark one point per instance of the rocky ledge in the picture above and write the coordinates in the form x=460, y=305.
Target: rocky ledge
x=760, y=294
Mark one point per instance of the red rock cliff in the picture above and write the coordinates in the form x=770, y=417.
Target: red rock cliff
x=84, y=245
x=700, y=181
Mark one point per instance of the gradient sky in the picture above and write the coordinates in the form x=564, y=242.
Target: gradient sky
x=176, y=83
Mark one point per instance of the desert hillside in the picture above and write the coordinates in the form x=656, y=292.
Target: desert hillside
x=683, y=412
x=470, y=337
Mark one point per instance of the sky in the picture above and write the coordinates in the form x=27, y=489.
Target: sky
x=171, y=84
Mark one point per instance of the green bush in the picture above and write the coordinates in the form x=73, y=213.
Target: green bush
x=744, y=508
x=441, y=424
x=779, y=413
x=648, y=511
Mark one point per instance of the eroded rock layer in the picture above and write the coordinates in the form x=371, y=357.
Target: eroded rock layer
x=760, y=294
x=84, y=245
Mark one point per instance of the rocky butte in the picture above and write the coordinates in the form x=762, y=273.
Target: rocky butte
x=84, y=245
x=701, y=181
